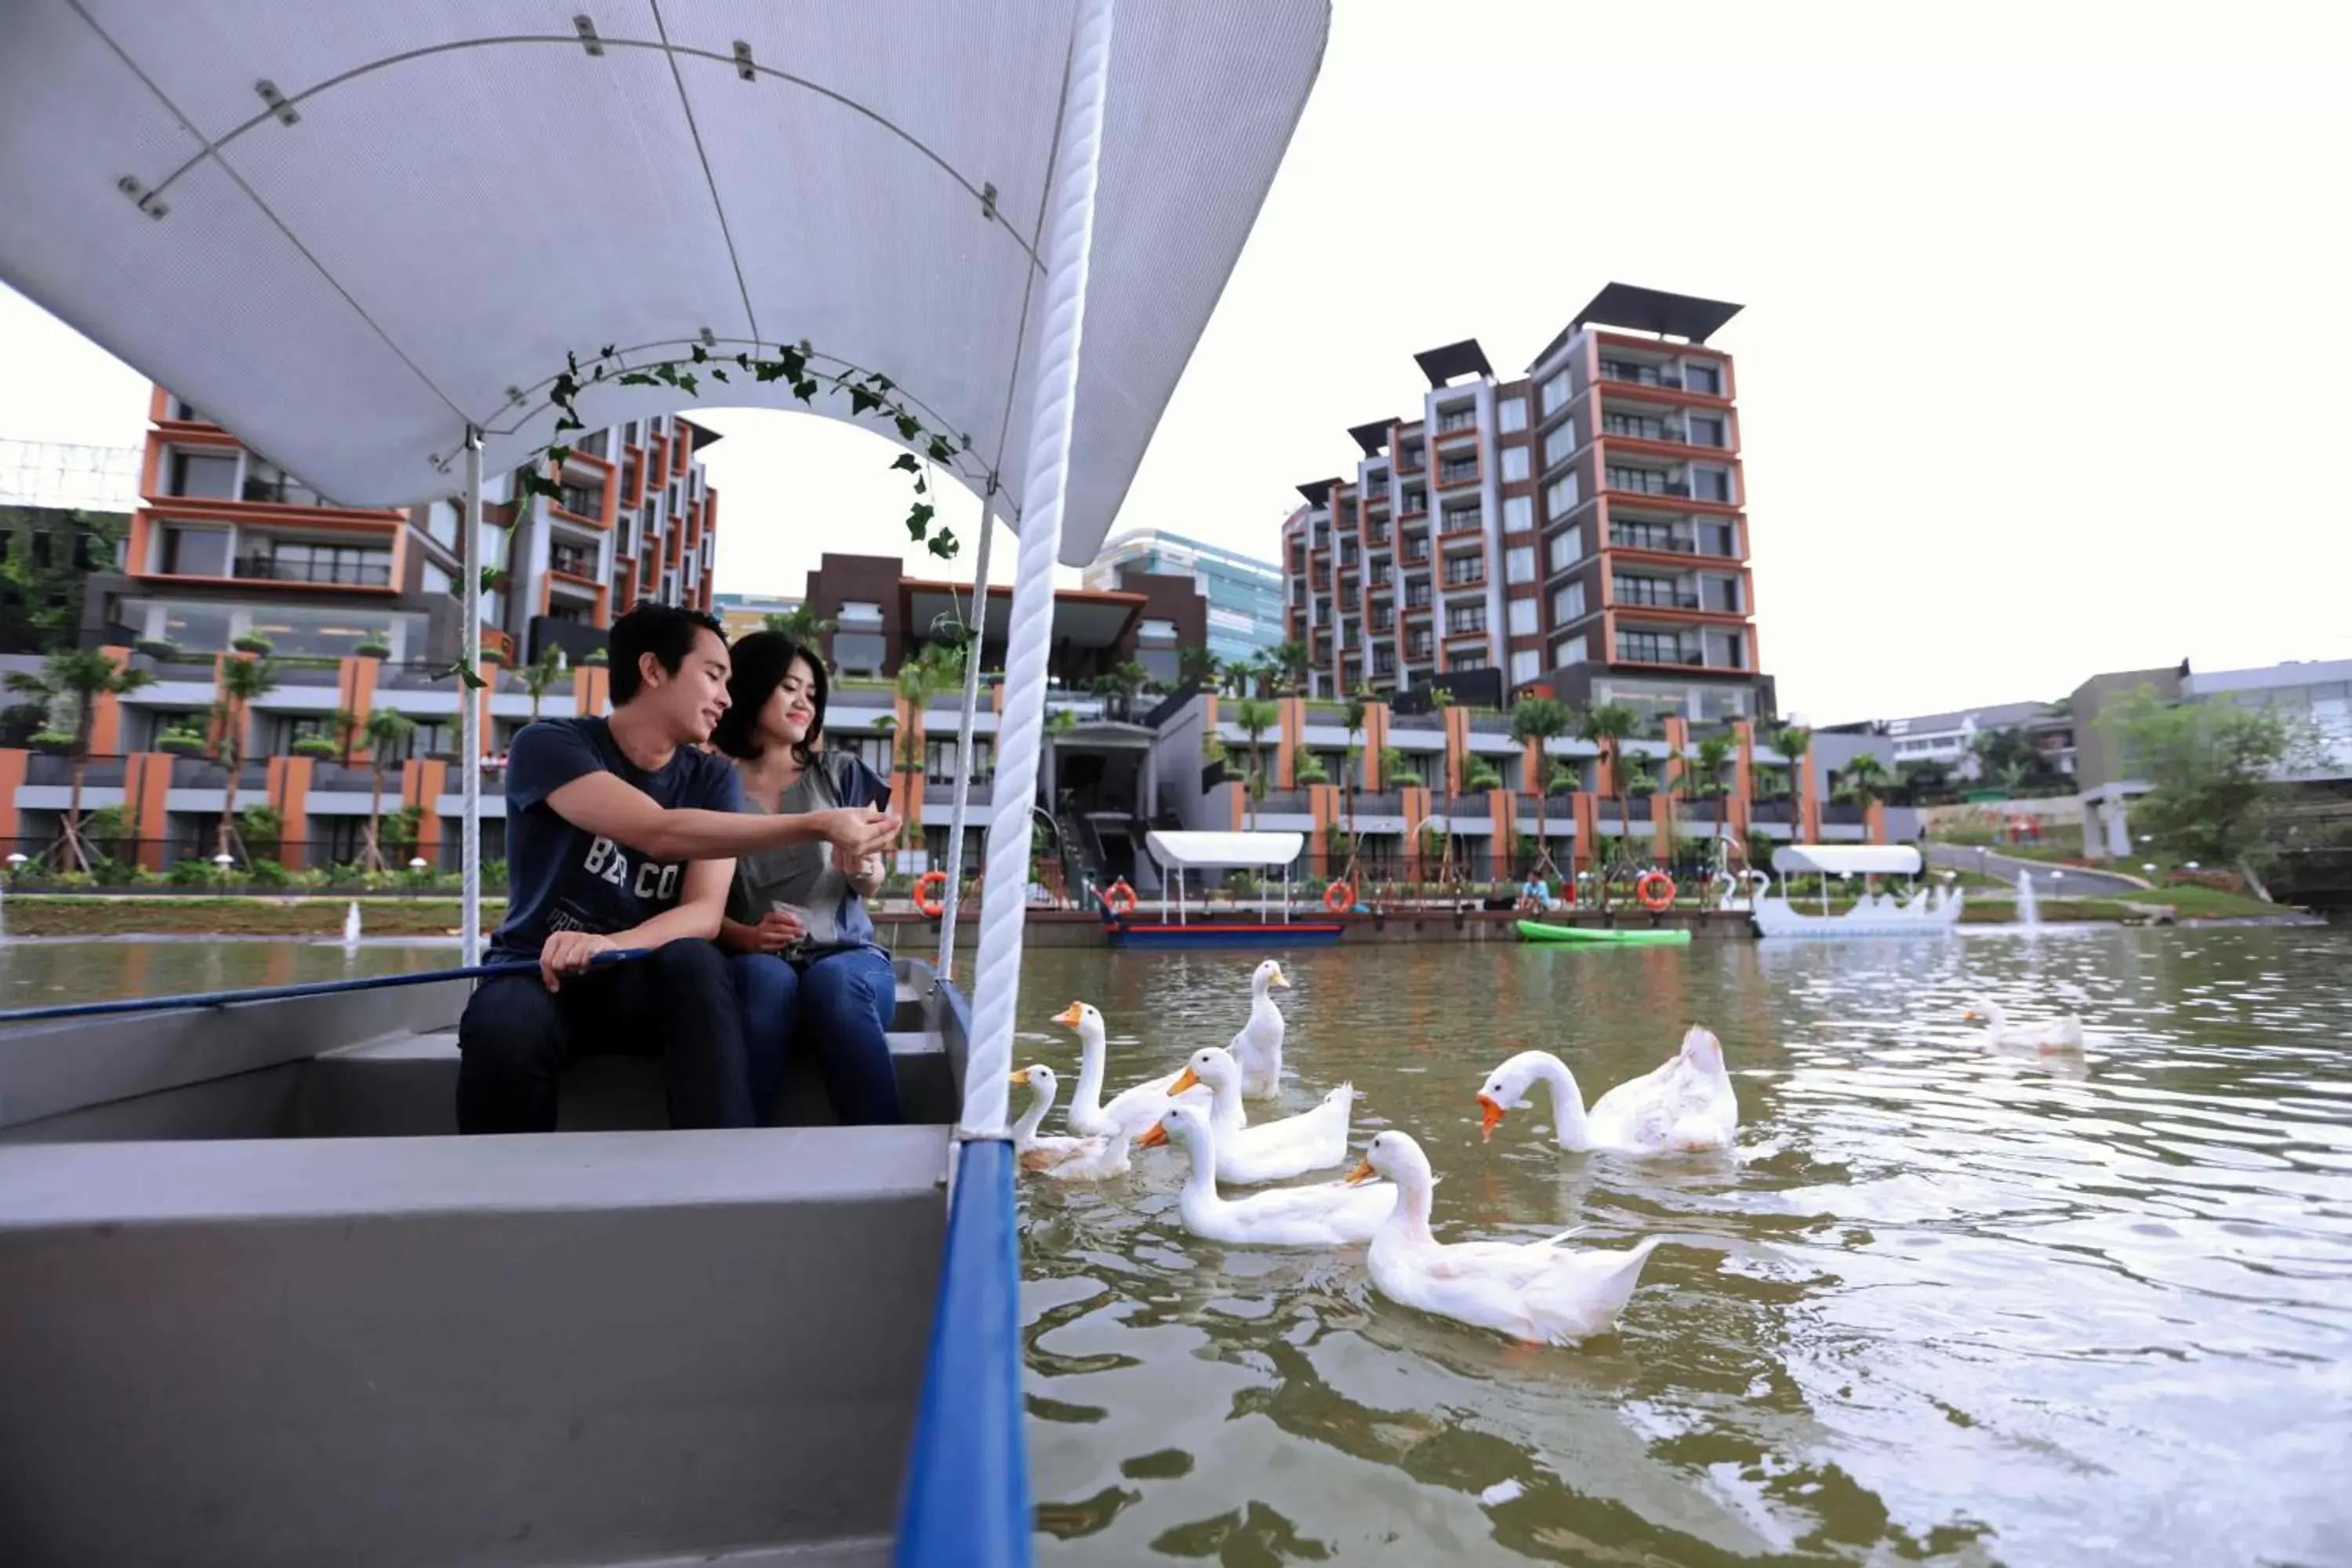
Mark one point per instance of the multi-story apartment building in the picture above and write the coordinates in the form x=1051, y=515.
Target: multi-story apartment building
x=1244, y=594
x=1584, y=526
x=743, y=614
x=226, y=545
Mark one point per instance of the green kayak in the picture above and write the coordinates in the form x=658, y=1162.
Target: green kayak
x=1536, y=930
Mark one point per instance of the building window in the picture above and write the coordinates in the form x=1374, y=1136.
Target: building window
x=1525, y=664
x=1560, y=443
x=1708, y=432
x=1463, y=619
x=1711, y=484
x=1563, y=496
x=1468, y=658
x=197, y=552
x=436, y=580
x=299, y=561
x=1415, y=499
x=1553, y=396
x=1458, y=417
x=265, y=481
x=1651, y=648
x=1511, y=414
x=1452, y=469
x=1567, y=651
x=1417, y=643
x=1515, y=464
x=940, y=759
x=204, y=476
x=1568, y=547
x=1567, y=604
x=1464, y=518
x=581, y=500
x=441, y=524
x=1519, y=513
x=1721, y=594
x=1519, y=563
x=1704, y=375
x=571, y=560
x=1462, y=569
x=1521, y=619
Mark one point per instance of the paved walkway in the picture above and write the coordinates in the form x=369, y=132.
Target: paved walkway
x=2049, y=881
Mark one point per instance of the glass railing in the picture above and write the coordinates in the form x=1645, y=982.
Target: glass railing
x=1648, y=591
x=1640, y=374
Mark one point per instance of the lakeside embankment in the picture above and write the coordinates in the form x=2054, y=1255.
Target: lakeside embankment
x=70, y=915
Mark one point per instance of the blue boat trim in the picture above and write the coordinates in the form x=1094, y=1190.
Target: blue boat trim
x=966, y=1498
x=1227, y=933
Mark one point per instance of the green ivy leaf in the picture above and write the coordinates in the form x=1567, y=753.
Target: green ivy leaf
x=559, y=455
x=604, y=352
x=688, y=384
x=716, y=373
x=794, y=363
x=906, y=462
x=700, y=354
x=943, y=544
x=908, y=426
x=861, y=400
x=638, y=378
x=919, y=518
x=804, y=389
x=941, y=452
x=743, y=361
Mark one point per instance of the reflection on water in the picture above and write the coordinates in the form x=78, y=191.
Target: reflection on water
x=1952, y=1303
x=46, y=974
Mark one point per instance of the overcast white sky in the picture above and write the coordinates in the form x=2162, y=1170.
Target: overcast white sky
x=2045, y=369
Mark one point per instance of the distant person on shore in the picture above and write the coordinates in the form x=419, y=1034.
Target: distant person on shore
x=622, y=832
x=807, y=973
x=1535, y=896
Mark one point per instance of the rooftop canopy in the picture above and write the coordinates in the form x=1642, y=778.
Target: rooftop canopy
x=1847, y=860
x=1639, y=310
x=1082, y=617
x=1370, y=436
x=348, y=232
x=1442, y=366
x=1208, y=851
x=1318, y=491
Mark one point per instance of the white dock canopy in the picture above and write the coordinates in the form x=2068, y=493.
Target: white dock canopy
x=1847, y=860
x=1220, y=851
x=348, y=232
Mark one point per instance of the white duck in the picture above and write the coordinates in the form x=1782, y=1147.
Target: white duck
x=1088, y=1115
x=1685, y=1106
x=2061, y=1034
x=1272, y=1150
x=1331, y=1214
x=1534, y=1291
x=1258, y=1046
x=1063, y=1159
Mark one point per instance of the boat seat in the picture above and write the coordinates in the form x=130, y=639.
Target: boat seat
x=489, y=1351
x=407, y=1087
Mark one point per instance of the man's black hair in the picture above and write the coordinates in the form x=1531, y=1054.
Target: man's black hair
x=759, y=663
x=666, y=631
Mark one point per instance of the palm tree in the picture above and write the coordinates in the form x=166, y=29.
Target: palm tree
x=1198, y=667
x=78, y=677
x=244, y=680
x=542, y=673
x=387, y=737
x=1793, y=740
x=1715, y=754
x=1863, y=779
x=1291, y=664
x=1255, y=716
x=804, y=626
x=1609, y=725
x=1538, y=721
x=1123, y=680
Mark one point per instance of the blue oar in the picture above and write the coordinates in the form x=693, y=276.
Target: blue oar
x=281, y=992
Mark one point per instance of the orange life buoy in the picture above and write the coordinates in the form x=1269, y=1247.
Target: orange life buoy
x=1656, y=890
x=932, y=906
x=1338, y=898
x=1119, y=897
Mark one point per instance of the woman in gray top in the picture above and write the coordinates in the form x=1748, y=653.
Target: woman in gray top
x=807, y=973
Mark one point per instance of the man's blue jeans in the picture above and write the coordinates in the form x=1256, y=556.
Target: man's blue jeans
x=838, y=1008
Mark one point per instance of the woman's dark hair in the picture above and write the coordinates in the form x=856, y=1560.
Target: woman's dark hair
x=760, y=661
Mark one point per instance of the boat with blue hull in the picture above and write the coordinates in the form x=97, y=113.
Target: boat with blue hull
x=261, y=1307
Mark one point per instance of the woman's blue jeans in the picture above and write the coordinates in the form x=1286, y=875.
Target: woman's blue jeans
x=837, y=1006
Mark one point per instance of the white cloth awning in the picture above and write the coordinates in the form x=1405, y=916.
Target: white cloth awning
x=1200, y=851
x=1847, y=860
x=437, y=201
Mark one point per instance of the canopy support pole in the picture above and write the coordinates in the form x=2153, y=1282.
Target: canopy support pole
x=963, y=740
x=1078, y=163
x=469, y=727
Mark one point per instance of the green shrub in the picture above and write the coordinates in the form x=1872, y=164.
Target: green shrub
x=317, y=747
x=194, y=871
x=267, y=873
x=373, y=648
x=253, y=643
x=182, y=743
x=51, y=741
x=157, y=648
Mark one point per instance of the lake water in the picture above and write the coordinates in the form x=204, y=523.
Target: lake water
x=1953, y=1305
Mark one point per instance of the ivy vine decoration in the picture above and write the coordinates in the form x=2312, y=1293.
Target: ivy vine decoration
x=869, y=393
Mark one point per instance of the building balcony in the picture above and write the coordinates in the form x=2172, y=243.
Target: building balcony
x=339, y=574
x=1653, y=594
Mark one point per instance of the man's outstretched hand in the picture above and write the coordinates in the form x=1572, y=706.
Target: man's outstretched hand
x=857, y=830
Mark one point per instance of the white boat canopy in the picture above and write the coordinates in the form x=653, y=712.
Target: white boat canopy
x=1847, y=860
x=1206, y=851
x=350, y=232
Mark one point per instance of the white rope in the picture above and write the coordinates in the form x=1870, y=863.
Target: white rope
x=469, y=727
x=963, y=736
x=1077, y=161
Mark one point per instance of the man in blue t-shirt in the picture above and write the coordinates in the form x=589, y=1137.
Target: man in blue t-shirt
x=622, y=834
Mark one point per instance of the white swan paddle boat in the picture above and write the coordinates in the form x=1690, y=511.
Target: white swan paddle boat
x=1926, y=912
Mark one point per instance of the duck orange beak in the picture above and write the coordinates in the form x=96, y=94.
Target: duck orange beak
x=1069, y=1017
x=1022, y=1077
x=1279, y=978
x=1968, y=1016
x=1490, y=1115
x=1362, y=1172
x=1152, y=1138
x=1186, y=1079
